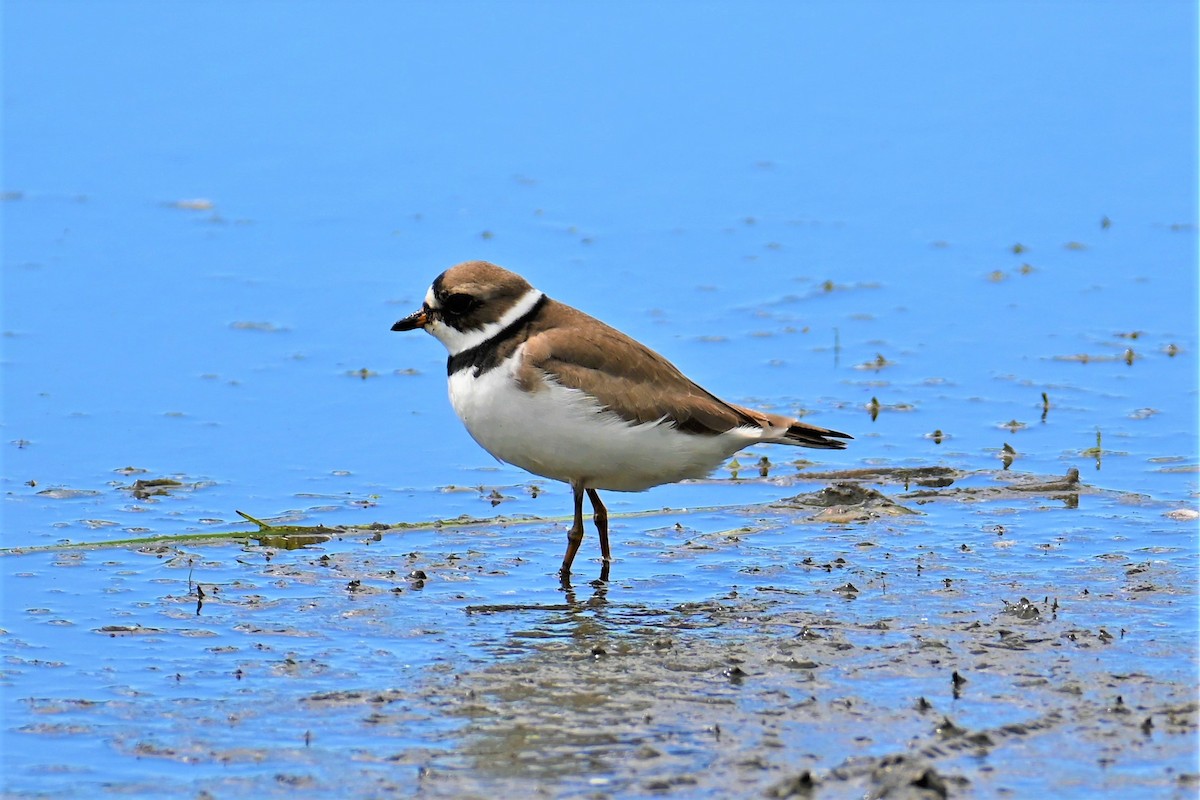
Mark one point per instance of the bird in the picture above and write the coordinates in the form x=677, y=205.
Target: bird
x=547, y=388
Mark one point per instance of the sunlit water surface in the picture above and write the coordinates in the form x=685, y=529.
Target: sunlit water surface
x=943, y=230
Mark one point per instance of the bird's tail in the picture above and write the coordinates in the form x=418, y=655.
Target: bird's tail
x=806, y=435
x=778, y=429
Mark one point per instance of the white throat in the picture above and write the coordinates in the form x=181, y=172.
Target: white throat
x=457, y=341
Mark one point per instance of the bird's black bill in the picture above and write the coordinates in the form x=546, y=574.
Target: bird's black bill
x=412, y=321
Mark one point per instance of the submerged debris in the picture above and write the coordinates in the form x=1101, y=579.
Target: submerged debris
x=801, y=785
x=63, y=493
x=141, y=489
x=289, y=537
x=897, y=776
x=113, y=631
x=845, y=501
x=1023, y=609
x=921, y=476
x=1012, y=486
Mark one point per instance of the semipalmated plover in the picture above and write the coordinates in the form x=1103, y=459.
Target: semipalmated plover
x=549, y=389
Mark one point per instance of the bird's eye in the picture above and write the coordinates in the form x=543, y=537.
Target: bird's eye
x=459, y=304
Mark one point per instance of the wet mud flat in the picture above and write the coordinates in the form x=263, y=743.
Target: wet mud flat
x=886, y=635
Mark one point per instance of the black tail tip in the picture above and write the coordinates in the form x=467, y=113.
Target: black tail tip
x=819, y=438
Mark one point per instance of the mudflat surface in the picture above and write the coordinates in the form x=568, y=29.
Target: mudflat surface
x=851, y=639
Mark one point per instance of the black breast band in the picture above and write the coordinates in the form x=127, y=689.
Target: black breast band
x=485, y=356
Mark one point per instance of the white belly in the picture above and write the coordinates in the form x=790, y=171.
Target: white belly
x=563, y=434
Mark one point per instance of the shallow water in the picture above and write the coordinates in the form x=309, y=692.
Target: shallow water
x=901, y=222
x=718, y=648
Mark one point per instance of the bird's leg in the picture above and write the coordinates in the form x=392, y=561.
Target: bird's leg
x=575, y=535
x=600, y=517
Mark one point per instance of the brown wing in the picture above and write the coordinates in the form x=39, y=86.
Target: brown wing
x=626, y=377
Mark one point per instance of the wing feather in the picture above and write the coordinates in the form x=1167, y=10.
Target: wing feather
x=638, y=384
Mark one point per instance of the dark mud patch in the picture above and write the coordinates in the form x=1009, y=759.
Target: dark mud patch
x=844, y=502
